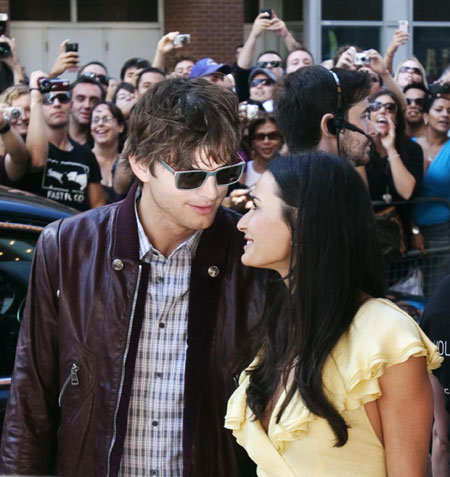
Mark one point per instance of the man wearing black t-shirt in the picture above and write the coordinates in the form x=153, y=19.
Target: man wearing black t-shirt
x=61, y=169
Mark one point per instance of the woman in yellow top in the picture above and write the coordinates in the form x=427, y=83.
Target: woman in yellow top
x=340, y=385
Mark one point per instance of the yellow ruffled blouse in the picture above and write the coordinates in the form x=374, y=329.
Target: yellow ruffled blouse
x=301, y=443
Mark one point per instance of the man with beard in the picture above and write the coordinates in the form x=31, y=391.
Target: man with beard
x=320, y=109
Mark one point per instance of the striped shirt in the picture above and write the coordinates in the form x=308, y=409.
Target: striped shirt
x=154, y=437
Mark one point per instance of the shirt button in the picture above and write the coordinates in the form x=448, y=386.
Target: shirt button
x=155, y=423
x=162, y=325
x=159, y=375
x=213, y=271
x=159, y=279
x=154, y=472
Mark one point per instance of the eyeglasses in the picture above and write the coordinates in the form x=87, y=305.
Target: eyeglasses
x=417, y=101
x=272, y=136
x=101, y=78
x=265, y=64
x=194, y=179
x=261, y=81
x=376, y=106
x=104, y=119
x=125, y=97
x=410, y=69
x=63, y=98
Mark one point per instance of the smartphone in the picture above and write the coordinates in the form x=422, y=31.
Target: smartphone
x=182, y=39
x=71, y=47
x=403, y=25
x=268, y=12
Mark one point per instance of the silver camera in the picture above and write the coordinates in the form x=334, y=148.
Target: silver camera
x=362, y=59
x=13, y=112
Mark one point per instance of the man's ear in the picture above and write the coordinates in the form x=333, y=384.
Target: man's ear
x=327, y=126
x=139, y=168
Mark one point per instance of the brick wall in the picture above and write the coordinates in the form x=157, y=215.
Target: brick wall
x=216, y=26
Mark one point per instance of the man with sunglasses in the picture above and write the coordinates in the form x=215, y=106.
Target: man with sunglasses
x=269, y=59
x=86, y=94
x=138, y=313
x=415, y=94
x=61, y=169
x=262, y=85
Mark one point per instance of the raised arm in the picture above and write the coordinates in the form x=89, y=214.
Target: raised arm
x=64, y=60
x=16, y=159
x=13, y=60
x=399, y=38
x=165, y=46
x=279, y=27
x=37, y=137
x=245, y=59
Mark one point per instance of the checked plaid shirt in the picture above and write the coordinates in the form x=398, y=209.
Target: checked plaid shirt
x=153, y=442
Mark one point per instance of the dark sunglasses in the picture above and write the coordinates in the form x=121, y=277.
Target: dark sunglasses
x=377, y=105
x=194, y=179
x=272, y=136
x=265, y=64
x=417, y=101
x=263, y=81
x=63, y=98
x=100, y=78
x=410, y=69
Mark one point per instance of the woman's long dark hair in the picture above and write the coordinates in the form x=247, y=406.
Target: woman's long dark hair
x=335, y=258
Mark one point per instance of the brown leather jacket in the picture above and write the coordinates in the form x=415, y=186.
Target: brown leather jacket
x=68, y=405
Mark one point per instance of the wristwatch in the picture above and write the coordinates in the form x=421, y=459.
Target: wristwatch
x=415, y=230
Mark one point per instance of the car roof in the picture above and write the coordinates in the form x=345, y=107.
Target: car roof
x=26, y=208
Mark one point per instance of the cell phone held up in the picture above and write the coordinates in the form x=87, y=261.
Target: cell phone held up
x=70, y=46
x=183, y=39
x=268, y=12
x=46, y=85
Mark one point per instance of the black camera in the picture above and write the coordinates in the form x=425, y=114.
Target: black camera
x=268, y=12
x=71, y=47
x=46, y=85
x=437, y=88
x=5, y=50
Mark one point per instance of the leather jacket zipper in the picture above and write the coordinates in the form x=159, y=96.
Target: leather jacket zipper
x=72, y=379
x=122, y=377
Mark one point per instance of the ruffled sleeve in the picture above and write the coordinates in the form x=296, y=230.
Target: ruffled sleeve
x=380, y=336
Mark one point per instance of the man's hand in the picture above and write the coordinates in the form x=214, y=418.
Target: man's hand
x=35, y=77
x=260, y=24
x=12, y=60
x=347, y=59
x=376, y=62
x=64, y=60
x=278, y=26
x=165, y=44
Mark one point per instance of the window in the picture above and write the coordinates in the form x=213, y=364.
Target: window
x=432, y=48
x=334, y=37
x=431, y=10
x=292, y=10
x=49, y=10
x=117, y=10
x=352, y=10
x=251, y=10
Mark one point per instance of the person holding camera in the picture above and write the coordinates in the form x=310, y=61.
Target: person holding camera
x=61, y=169
x=11, y=71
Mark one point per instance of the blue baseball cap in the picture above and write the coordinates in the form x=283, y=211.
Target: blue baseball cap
x=207, y=66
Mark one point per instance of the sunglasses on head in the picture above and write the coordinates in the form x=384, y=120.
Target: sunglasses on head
x=262, y=81
x=63, y=98
x=417, y=101
x=410, y=69
x=272, y=136
x=377, y=105
x=265, y=64
x=194, y=179
x=101, y=78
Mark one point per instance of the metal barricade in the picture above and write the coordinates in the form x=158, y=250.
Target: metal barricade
x=415, y=276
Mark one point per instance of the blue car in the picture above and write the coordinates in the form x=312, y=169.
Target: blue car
x=22, y=218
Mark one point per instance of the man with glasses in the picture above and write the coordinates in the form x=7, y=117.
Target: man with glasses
x=61, y=169
x=269, y=59
x=86, y=94
x=138, y=313
x=262, y=85
x=415, y=94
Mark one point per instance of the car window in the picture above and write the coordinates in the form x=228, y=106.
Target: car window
x=17, y=244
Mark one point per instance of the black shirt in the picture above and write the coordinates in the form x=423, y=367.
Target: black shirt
x=65, y=176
